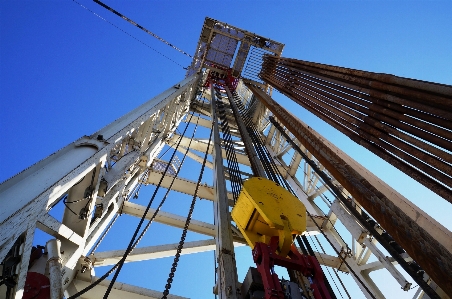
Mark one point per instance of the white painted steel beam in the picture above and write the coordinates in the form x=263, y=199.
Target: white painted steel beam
x=331, y=261
x=119, y=291
x=76, y=170
x=228, y=287
x=108, y=258
x=201, y=146
x=40, y=185
x=332, y=234
x=182, y=185
x=357, y=231
x=196, y=226
x=193, y=156
x=57, y=229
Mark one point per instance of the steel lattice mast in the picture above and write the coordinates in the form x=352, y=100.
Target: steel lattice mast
x=97, y=176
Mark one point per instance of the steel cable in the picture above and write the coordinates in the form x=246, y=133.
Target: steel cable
x=130, y=247
x=334, y=270
x=104, y=234
x=331, y=276
x=138, y=40
x=312, y=218
x=132, y=244
x=142, y=28
x=231, y=158
x=245, y=113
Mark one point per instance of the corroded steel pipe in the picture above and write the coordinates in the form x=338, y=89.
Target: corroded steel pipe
x=425, y=249
x=363, y=129
x=412, y=140
x=430, y=87
x=364, y=101
x=297, y=79
x=53, y=247
x=349, y=130
x=382, y=126
x=372, y=119
x=413, y=126
x=271, y=64
x=416, y=90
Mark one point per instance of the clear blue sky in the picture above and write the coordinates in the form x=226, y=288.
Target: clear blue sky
x=65, y=73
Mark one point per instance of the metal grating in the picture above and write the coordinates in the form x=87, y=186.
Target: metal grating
x=253, y=64
x=227, y=47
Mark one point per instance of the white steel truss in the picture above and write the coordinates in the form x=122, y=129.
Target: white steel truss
x=98, y=177
x=120, y=153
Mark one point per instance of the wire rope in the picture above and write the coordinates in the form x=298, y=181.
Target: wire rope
x=130, y=246
x=138, y=40
x=142, y=28
x=244, y=112
x=87, y=196
x=66, y=204
x=104, y=234
x=329, y=241
x=103, y=277
x=321, y=257
x=334, y=270
x=157, y=210
x=231, y=157
x=340, y=256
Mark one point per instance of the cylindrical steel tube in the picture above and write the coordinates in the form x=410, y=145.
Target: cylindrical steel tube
x=413, y=126
x=430, y=254
x=437, y=93
x=415, y=145
x=440, y=109
x=373, y=124
x=54, y=264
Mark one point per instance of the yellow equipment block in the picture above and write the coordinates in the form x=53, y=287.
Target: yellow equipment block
x=265, y=209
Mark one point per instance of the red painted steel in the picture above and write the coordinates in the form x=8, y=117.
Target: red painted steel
x=431, y=255
x=266, y=257
x=37, y=286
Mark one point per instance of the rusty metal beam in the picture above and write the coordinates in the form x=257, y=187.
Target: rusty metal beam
x=425, y=240
x=405, y=122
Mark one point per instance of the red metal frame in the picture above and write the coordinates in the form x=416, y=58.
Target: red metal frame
x=37, y=286
x=222, y=81
x=266, y=258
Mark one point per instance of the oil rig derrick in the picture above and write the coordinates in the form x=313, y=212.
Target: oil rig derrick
x=275, y=184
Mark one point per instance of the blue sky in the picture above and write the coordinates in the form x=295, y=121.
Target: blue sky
x=65, y=72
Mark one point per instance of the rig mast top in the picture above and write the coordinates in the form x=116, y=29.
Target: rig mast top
x=222, y=47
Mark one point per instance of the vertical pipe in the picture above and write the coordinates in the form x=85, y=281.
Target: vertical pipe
x=412, y=145
x=427, y=248
x=54, y=264
x=227, y=280
x=256, y=165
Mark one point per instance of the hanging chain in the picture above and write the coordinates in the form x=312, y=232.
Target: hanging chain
x=121, y=262
x=187, y=223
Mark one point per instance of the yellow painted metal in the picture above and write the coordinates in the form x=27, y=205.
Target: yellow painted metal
x=265, y=209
